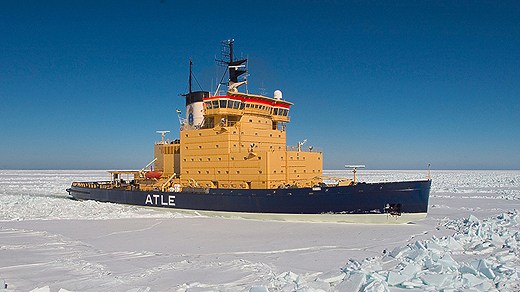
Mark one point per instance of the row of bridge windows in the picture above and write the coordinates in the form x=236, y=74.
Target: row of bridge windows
x=236, y=104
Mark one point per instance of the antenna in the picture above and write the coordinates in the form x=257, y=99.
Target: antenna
x=182, y=121
x=235, y=67
x=191, y=73
x=163, y=133
x=354, y=169
x=429, y=174
x=300, y=144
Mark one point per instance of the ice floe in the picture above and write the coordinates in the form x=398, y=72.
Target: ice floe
x=481, y=255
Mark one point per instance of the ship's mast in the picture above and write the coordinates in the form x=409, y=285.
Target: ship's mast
x=191, y=73
x=194, y=103
x=236, y=68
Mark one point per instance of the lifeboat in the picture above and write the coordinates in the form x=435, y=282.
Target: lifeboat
x=153, y=174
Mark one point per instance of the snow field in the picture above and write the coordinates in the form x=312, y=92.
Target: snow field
x=468, y=242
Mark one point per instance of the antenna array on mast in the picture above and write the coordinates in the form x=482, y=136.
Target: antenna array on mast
x=235, y=67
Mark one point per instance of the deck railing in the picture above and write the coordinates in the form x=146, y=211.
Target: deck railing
x=94, y=185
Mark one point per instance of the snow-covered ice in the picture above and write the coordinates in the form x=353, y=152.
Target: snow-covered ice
x=470, y=241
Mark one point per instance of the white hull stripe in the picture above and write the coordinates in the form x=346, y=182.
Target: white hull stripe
x=323, y=218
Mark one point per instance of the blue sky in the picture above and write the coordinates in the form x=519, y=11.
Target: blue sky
x=390, y=84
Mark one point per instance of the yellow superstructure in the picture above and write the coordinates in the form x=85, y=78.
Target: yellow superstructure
x=232, y=141
x=241, y=144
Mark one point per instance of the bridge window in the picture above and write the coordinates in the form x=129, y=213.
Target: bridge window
x=222, y=103
x=214, y=103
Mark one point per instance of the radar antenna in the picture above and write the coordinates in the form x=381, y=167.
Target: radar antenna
x=163, y=133
x=354, y=169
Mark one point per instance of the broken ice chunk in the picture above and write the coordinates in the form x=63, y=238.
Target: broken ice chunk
x=395, y=278
x=436, y=280
x=454, y=245
x=376, y=286
x=483, y=267
x=473, y=219
x=354, y=282
x=316, y=286
x=448, y=262
x=332, y=277
x=412, y=284
x=434, y=247
x=399, y=251
x=411, y=270
x=465, y=269
x=470, y=280
x=417, y=255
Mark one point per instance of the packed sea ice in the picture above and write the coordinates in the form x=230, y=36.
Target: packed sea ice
x=469, y=242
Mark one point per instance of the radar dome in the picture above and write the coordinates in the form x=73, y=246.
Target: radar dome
x=278, y=94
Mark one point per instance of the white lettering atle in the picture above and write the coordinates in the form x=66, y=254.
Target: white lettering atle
x=160, y=200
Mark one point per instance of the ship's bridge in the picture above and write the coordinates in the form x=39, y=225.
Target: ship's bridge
x=238, y=104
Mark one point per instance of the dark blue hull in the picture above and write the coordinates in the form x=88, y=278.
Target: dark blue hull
x=394, y=198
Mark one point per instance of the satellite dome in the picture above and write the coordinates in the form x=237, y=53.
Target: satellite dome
x=278, y=94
